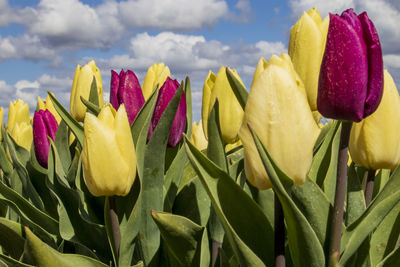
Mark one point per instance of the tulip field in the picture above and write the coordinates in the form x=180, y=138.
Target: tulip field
x=300, y=169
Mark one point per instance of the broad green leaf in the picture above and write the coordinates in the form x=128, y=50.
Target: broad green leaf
x=322, y=135
x=19, y=162
x=75, y=127
x=92, y=108
x=305, y=248
x=186, y=240
x=237, y=88
x=380, y=207
x=355, y=205
x=380, y=180
x=46, y=256
x=93, y=95
x=246, y=227
x=5, y=164
x=12, y=262
x=151, y=161
x=392, y=260
x=62, y=144
x=11, y=238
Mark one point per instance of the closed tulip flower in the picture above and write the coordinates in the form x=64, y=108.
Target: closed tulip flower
x=167, y=92
x=108, y=154
x=81, y=87
x=198, y=138
x=156, y=75
x=18, y=112
x=278, y=112
x=44, y=125
x=230, y=110
x=375, y=141
x=22, y=134
x=351, y=76
x=306, y=48
x=48, y=105
x=125, y=89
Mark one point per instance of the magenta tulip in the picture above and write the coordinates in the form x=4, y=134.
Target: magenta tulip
x=351, y=76
x=125, y=89
x=44, y=124
x=167, y=92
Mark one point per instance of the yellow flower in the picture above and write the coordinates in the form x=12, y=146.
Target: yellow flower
x=23, y=135
x=306, y=48
x=108, y=157
x=230, y=111
x=278, y=112
x=229, y=147
x=156, y=74
x=81, y=87
x=375, y=141
x=43, y=105
x=198, y=138
x=18, y=112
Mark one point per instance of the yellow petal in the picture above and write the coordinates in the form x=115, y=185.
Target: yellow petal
x=18, y=112
x=278, y=111
x=51, y=108
x=205, y=107
x=375, y=141
x=40, y=104
x=198, y=138
x=23, y=135
x=306, y=48
x=156, y=75
x=261, y=66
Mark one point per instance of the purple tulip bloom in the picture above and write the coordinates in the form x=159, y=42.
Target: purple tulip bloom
x=125, y=89
x=44, y=124
x=351, y=76
x=167, y=92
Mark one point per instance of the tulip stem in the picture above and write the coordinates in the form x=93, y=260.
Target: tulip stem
x=279, y=239
x=338, y=208
x=369, y=188
x=115, y=231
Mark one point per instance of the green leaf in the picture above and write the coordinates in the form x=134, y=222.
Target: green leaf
x=47, y=256
x=305, y=248
x=324, y=166
x=11, y=239
x=92, y=108
x=151, y=161
x=5, y=164
x=355, y=205
x=109, y=230
x=19, y=164
x=392, y=260
x=315, y=206
x=75, y=127
x=251, y=239
x=188, y=95
x=238, y=89
x=62, y=144
x=186, y=240
x=93, y=95
x=380, y=207
x=12, y=262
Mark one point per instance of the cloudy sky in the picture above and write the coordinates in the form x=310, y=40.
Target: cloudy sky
x=41, y=42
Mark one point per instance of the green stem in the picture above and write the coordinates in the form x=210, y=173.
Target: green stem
x=116, y=233
x=340, y=193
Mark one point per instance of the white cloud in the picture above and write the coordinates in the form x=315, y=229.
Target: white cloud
x=324, y=7
x=172, y=14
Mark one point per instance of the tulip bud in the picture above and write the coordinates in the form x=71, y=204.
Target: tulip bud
x=156, y=74
x=22, y=134
x=165, y=95
x=375, y=141
x=125, y=89
x=48, y=105
x=198, y=138
x=278, y=112
x=18, y=112
x=351, y=76
x=306, y=48
x=108, y=154
x=44, y=124
x=81, y=87
x=230, y=110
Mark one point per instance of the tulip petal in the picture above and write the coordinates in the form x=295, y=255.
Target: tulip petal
x=114, y=88
x=375, y=65
x=130, y=94
x=40, y=141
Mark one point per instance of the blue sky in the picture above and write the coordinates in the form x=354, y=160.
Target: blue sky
x=41, y=42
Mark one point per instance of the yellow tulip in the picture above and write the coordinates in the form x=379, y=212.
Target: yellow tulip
x=230, y=147
x=198, y=138
x=108, y=157
x=81, y=87
x=306, y=48
x=230, y=111
x=18, y=112
x=278, y=112
x=375, y=141
x=156, y=74
x=23, y=135
x=43, y=105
